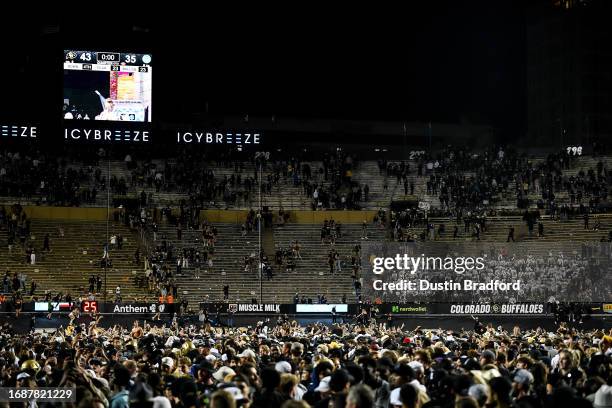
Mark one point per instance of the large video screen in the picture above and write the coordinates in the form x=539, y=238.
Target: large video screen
x=108, y=86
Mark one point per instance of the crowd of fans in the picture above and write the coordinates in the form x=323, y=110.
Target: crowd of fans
x=465, y=181
x=344, y=365
x=192, y=248
x=234, y=178
x=48, y=179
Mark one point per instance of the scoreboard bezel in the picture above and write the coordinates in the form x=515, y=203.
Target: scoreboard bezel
x=138, y=62
x=80, y=56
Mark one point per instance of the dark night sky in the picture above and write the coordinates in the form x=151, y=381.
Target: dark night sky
x=445, y=61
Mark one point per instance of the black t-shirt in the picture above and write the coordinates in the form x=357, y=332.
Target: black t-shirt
x=269, y=399
x=557, y=379
x=204, y=392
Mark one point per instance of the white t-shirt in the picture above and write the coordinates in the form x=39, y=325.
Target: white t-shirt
x=106, y=115
x=161, y=402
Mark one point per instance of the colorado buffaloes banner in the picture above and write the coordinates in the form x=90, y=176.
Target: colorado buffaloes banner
x=464, y=309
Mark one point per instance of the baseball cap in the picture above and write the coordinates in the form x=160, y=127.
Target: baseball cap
x=235, y=391
x=488, y=354
x=523, y=376
x=247, y=353
x=417, y=366
x=223, y=372
x=168, y=361
x=283, y=367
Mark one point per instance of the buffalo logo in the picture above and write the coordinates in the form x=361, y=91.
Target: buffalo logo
x=71, y=55
x=232, y=308
x=496, y=308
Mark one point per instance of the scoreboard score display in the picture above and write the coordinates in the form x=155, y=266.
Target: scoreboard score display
x=107, y=86
x=89, y=306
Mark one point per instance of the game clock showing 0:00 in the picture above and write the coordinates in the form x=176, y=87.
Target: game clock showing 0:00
x=89, y=306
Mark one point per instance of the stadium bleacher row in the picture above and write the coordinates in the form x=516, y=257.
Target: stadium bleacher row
x=76, y=256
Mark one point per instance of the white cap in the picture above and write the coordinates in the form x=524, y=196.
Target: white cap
x=223, y=372
x=168, y=361
x=235, y=391
x=416, y=366
x=248, y=353
x=283, y=367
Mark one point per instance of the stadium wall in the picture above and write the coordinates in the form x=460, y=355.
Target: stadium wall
x=216, y=216
x=64, y=213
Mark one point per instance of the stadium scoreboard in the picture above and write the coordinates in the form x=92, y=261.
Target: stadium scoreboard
x=107, y=86
x=106, y=61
